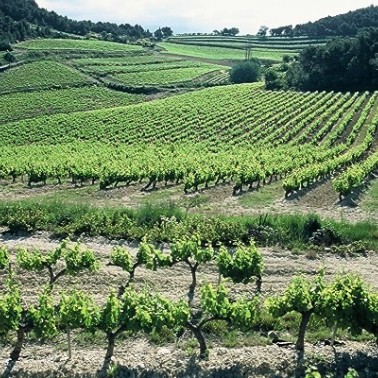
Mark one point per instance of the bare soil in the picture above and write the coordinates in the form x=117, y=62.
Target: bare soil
x=137, y=357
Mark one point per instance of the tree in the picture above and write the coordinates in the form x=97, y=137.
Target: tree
x=246, y=72
x=274, y=79
x=167, y=31
x=9, y=57
x=216, y=305
x=192, y=254
x=5, y=46
x=344, y=64
x=262, y=31
x=158, y=34
x=232, y=31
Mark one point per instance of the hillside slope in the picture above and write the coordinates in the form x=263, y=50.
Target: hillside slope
x=22, y=19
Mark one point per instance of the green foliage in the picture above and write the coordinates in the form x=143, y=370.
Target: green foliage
x=216, y=302
x=65, y=219
x=342, y=24
x=10, y=307
x=25, y=105
x=78, y=310
x=40, y=75
x=274, y=79
x=190, y=250
x=145, y=311
x=312, y=373
x=152, y=257
x=121, y=257
x=350, y=303
x=301, y=296
x=165, y=77
x=9, y=57
x=44, y=316
x=353, y=57
x=4, y=257
x=31, y=260
x=242, y=265
x=24, y=19
x=352, y=373
x=77, y=259
x=78, y=45
x=246, y=72
x=74, y=258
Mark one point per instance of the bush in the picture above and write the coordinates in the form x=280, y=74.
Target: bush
x=9, y=57
x=5, y=46
x=274, y=79
x=246, y=72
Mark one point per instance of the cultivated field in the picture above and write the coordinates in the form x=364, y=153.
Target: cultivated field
x=233, y=352
x=120, y=146
x=234, y=48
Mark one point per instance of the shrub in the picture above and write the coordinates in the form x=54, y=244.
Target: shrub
x=246, y=72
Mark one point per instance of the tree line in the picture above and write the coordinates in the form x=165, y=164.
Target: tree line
x=343, y=64
x=22, y=19
x=347, y=24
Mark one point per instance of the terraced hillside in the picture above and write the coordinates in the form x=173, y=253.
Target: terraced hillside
x=235, y=48
x=82, y=155
x=77, y=45
x=243, y=145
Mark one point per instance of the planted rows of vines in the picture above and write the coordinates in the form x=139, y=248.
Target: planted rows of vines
x=128, y=307
x=199, y=140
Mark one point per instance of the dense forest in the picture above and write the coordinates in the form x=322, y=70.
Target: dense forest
x=21, y=19
x=343, y=64
x=347, y=24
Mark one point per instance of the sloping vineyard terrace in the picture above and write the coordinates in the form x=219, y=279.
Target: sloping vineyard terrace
x=198, y=140
x=41, y=75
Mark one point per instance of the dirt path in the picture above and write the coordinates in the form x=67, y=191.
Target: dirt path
x=138, y=358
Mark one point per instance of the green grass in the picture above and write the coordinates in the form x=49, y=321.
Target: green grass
x=76, y=44
x=63, y=218
x=263, y=197
x=369, y=201
x=22, y=105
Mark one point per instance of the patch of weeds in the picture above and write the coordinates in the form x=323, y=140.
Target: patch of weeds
x=85, y=338
x=311, y=254
x=351, y=373
x=194, y=202
x=354, y=249
x=263, y=197
x=218, y=328
x=312, y=372
x=164, y=336
x=191, y=347
x=296, y=251
x=251, y=339
x=231, y=339
x=369, y=201
x=112, y=370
